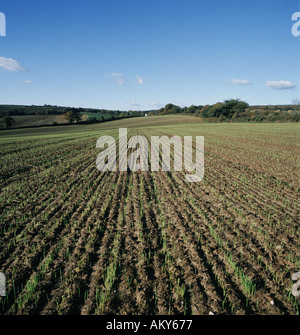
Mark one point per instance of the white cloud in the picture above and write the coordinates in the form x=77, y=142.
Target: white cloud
x=154, y=104
x=240, y=82
x=27, y=82
x=280, y=85
x=132, y=103
x=9, y=64
x=179, y=104
x=118, y=78
x=140, y=80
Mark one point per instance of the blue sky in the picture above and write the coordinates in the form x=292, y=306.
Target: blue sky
x=142, y=54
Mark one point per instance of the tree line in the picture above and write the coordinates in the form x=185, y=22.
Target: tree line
x=231, y=110
x=236, y=110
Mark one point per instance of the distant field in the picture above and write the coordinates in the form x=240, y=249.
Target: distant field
x=43, y=120
x=74, y=240
x=97, y=116
x=129, y=123
x=39, y=120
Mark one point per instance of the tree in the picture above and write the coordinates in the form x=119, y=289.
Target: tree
x=223, y=110
x=215, y=110
x=169, y=109
x=72, y=116
x=296, y=103
x=193, y=109
x=204, y=111
x=8, y=121
x=233, y=107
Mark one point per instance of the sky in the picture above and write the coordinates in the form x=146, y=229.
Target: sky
x=143, y=54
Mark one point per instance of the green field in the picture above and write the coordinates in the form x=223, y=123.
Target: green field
x=74, y=240
x=97, y=116
x=24, y=121
x=37, y=120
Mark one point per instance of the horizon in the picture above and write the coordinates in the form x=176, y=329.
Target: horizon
x=137, y=110
x=140, y=56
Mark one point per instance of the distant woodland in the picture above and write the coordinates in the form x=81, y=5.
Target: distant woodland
x=232, y=110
